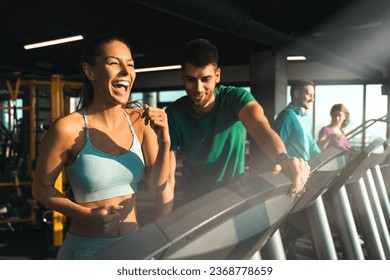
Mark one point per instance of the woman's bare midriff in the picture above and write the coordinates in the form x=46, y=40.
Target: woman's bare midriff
x=126, y=225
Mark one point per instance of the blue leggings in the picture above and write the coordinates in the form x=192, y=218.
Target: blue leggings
x=77, y=247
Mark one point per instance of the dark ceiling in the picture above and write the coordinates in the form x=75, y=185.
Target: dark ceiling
x=353, y=35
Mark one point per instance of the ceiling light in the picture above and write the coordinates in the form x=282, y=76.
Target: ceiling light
x=53, y=42
x=296, y=57
x=159, y=68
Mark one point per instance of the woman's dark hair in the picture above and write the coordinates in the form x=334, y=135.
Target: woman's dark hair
x=340, y=108
x=199, y=53
x=90, y=53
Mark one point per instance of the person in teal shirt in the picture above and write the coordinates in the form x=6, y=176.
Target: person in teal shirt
x=294, y=127
x=208, y=126
x=293, y=124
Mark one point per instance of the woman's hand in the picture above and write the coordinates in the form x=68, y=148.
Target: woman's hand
x=338, y=136
x=156, y=151
x=158, y=120
x=105, y=218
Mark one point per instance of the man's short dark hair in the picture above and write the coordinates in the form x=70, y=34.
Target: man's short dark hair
x=199, y=53
x=299, y=85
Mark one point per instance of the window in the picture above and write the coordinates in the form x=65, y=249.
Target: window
x=376, y=108
x=169, y=96
x=361, y=106
x=136, y=96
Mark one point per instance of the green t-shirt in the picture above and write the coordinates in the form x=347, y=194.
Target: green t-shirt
x=213, y=146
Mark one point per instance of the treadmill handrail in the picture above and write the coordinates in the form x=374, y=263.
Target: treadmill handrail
x=359, y=129
x=332, y=159
x=354, y=168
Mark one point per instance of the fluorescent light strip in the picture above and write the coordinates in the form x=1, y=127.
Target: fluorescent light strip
x=297, y=57
x=54, y=42
x=159, y=68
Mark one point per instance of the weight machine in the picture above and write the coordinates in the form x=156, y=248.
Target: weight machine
x=20, y=135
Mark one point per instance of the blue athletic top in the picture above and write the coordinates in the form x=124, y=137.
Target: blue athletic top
x=95, y=175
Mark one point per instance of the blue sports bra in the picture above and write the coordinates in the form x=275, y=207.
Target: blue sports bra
x=95, y=175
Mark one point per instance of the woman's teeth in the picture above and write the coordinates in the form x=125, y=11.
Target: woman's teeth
x=121, y=84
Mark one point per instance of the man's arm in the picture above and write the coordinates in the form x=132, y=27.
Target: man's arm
x=257, y=125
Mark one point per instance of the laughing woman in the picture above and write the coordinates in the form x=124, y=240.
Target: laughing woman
x=106, y=147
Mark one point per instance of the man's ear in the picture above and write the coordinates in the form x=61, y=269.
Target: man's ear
x=88, y=72
x=218, y=75
x=296, y=94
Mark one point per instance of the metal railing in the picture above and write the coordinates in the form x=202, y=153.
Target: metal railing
x=361, y=129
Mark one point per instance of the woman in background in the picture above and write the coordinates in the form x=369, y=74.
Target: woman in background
x=333, y=134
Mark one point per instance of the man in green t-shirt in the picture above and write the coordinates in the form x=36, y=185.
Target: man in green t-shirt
x=209, y=127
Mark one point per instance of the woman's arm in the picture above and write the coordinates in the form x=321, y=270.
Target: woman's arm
x=155, y=146
x=323, y=139
x=164, y=202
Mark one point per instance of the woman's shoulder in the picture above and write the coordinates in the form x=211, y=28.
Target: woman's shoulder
x=68, y=125
x=64, y=132
x=325, y=131
x=326, y=128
